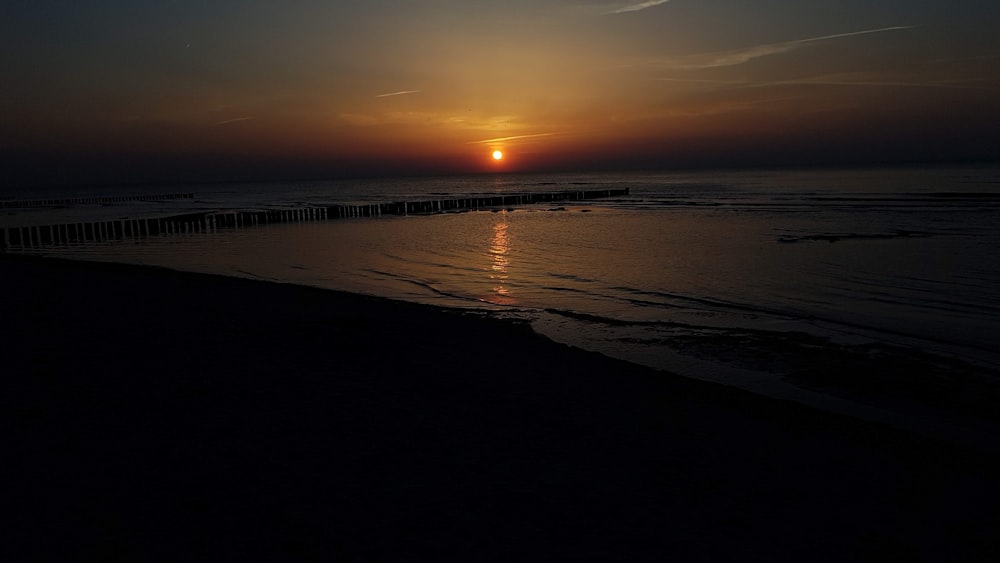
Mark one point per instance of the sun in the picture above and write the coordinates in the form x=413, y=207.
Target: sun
x=497, y=155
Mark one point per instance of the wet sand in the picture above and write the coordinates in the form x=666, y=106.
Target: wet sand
x=166, y=416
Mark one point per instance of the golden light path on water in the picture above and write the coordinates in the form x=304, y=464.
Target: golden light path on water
x=499, y=250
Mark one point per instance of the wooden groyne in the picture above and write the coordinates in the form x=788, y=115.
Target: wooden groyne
x=16, y=238
x=101, y=200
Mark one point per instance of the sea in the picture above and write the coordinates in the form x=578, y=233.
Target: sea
x=871, y=292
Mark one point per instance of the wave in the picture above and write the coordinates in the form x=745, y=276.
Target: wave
x=565, y=289
x=897, y=234
x=713, y=304
x=426, y=285
x=571, y=277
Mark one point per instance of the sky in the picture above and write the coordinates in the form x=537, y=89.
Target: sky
x=178, y=90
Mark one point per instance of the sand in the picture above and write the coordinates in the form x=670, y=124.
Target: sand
x=166, y=416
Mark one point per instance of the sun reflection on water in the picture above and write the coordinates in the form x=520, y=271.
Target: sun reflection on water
x=499, y=252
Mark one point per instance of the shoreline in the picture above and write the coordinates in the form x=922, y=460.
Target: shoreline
x=170, y=414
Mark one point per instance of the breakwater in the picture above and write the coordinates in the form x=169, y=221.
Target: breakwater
x=28, y=237
x=99, y=200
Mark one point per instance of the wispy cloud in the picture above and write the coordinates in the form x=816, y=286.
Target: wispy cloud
x=400, y=93
x=394, y=118
x=235, y=120
x=512, y=138
x=872, y=83
x=827, y=81
x=637, y=7
x=741, y=56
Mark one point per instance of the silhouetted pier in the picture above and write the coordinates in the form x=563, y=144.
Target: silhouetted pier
x=211, y=221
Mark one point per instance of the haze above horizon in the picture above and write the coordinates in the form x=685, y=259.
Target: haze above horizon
x=110, y=91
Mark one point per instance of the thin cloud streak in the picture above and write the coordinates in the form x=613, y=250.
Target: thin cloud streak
x=853, y=33
x=234, y=120
x=733, y=58
x=513, y=138
x=874, y=84
x=822, y=81
x=400, y=93
x=637, y=7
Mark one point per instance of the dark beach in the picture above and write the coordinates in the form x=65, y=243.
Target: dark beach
x=167, y=416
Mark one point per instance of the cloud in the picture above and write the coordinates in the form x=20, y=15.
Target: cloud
x=827, y=81
x=741, y=56
x=512, y=138
x=423, y=118
x=400, y=93
x=871, y=83
x=235, y=120
x=637, y=7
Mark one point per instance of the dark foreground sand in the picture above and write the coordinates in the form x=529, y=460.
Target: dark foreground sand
x=179, y=417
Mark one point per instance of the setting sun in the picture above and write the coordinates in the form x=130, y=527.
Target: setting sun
x=497, y=155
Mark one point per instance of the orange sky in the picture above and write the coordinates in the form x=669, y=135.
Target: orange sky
x=113, y=90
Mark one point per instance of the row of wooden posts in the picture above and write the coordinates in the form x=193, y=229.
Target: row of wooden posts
x=97, y=200
x=15, y=238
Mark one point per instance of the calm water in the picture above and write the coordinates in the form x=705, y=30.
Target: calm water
x=745, y=278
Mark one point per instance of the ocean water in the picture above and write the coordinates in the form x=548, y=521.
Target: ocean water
x=757, y=279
